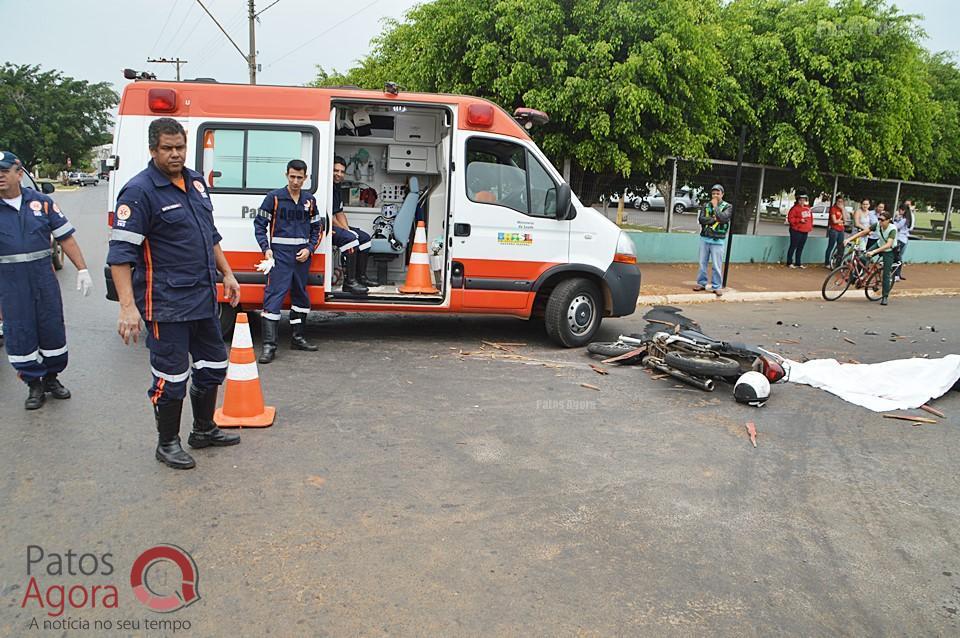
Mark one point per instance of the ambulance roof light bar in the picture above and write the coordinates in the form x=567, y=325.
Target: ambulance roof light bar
x=131, y=74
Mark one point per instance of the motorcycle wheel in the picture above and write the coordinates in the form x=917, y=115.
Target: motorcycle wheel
x=702, y=365
x=610, y=349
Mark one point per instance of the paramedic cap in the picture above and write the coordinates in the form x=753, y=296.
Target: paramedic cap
x=717, y=187
x=8, y=159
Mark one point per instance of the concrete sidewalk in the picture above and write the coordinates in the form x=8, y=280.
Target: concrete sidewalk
x=673, y=283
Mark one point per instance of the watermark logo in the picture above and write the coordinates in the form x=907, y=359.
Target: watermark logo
x=165, y=602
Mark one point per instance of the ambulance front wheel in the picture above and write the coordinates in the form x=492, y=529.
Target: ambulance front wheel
x=573, y=312
x=227, y=315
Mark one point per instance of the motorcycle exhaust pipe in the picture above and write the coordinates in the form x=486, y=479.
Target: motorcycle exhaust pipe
x=697, y=382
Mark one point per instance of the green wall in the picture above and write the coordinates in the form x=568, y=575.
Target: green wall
x=677, y=248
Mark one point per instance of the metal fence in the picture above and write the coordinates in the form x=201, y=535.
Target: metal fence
x=768, y=193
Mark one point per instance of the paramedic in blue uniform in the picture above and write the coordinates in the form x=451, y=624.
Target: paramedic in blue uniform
x=164, y=255
x=36, y=339
x=288, y=230
x=354, y=244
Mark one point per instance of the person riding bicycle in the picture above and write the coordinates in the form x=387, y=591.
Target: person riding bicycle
x=888, y=240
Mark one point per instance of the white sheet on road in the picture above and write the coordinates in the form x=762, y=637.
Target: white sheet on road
x=901, y=384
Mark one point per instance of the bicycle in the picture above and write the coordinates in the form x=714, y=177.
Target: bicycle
x=855, y=270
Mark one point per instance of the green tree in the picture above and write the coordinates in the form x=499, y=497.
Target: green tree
x=48, y=117
x=626, y=84
x=943, y=163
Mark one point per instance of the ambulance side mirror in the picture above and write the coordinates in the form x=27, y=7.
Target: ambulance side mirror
x=565, y=209
x=47, y=187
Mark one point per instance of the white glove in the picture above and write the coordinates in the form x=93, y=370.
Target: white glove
x=84, y=281
x=266, y=266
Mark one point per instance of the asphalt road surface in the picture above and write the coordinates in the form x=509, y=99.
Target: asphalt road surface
x=408, y=488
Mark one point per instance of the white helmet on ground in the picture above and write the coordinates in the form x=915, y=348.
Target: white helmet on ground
x=752, y=388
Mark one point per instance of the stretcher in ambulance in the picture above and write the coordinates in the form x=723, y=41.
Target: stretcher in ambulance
x=501, y=234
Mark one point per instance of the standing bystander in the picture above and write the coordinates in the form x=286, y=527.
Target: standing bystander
x=801, y=223
x=714, y=223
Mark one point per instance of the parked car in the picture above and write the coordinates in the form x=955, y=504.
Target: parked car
x=685, y=200
x=83, y=179
x=45, y=188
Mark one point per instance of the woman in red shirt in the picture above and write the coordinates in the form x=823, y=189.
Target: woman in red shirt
x=801, y=223
x=834, y=232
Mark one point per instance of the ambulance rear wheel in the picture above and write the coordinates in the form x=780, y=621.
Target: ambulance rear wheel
x=227, y=315
x=573, y=313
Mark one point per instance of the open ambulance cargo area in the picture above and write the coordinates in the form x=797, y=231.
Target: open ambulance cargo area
x=504, y=234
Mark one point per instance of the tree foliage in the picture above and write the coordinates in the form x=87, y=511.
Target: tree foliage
x=626, y=84
x=48, y=117
x=839, y=86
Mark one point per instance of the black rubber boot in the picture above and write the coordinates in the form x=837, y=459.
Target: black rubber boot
x=35, y=396
x=52, y=385
x=350, y=283
x=268, y=330
x=362, y=269
x=297, y=340
x=205, y=431
x=168, y=436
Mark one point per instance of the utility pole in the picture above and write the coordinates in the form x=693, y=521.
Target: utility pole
x=252, y=16
x=176, y=61
x=252, y=57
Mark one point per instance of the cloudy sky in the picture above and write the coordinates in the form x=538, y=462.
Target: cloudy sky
x=95, y=40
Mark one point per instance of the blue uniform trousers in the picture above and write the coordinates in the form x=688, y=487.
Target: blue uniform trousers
x=353, y=238
x=36, y=339
x=287, y=274
x=172, y=344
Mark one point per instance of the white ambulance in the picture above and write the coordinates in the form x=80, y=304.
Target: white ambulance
x=504, y=232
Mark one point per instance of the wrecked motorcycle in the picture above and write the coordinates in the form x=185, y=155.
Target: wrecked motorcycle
x=692, y=357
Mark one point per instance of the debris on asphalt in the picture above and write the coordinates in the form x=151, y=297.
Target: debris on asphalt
x=626, y=355
x=752, y=431
x=788, y=341
x=870, y=332
x=932, y=410
x=779, y=323
x=590, y=386
x=598, y=369
x=509, y=355
x=909, y=417
x=849, y=340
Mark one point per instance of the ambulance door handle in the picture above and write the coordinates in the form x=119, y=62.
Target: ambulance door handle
x=461, y=230
x=588, y=236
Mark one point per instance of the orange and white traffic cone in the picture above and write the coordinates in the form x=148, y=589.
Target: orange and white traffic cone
x=418, y=272
x=242, y=397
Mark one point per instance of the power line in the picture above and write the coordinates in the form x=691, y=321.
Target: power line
x=165, y=23
x=186, y=16
x=324, y=32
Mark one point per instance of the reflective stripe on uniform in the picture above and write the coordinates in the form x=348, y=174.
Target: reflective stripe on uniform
x=272, y=316
x=289, y=241
x=197, y=365
x=127, y=236
x=53, y=353
x=350, y=244
x=24, y=358
x=299, y=309
x=294, y=322
x=172, y=378
x=21, y=258
x=242, y=371
x=315, y=219
x=364, y=246
x=63, y=230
